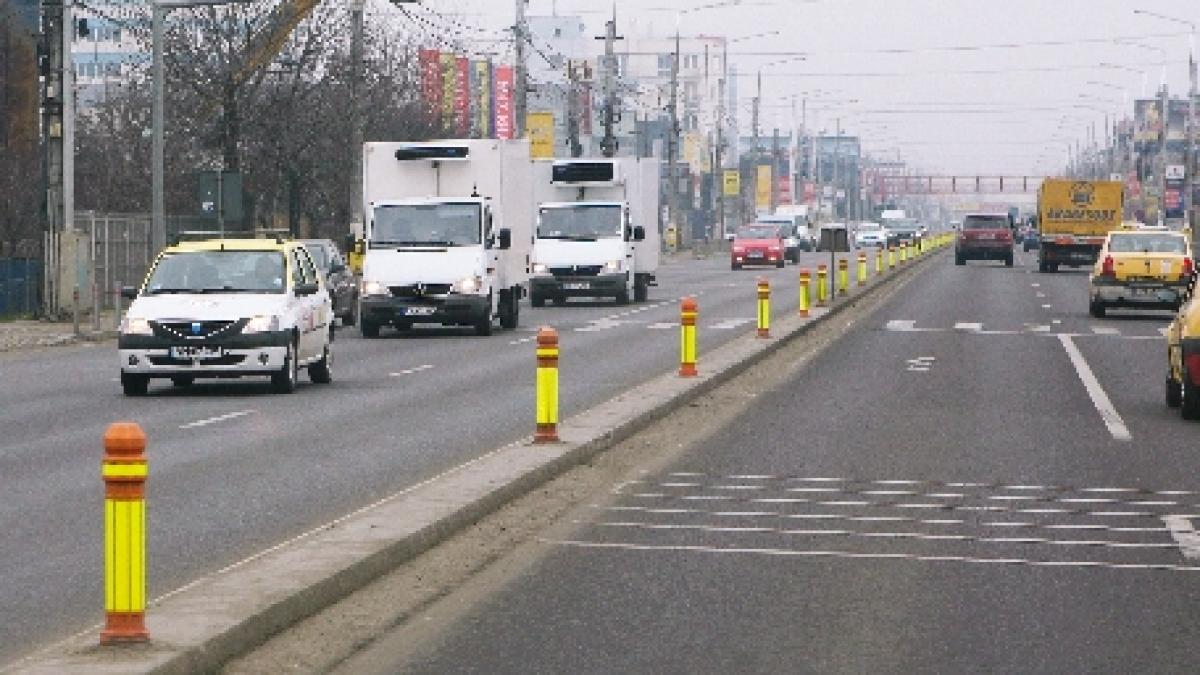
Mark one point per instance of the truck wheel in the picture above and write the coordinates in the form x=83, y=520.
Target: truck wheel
x=780, y=264
x=509, y=306
x=641, y=289
x=351, y=317
x=284, y=381
x=369, y=329
x=1189, y=398
x=321, y=372
x=735, y=266
x=1174, y=392
x=1096, y=309
x=483, y=327
x=134, y=385
x=537, y=300
x=1008, y=262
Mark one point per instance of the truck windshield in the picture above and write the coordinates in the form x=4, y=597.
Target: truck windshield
x=218, y=272
x=441, y=224
x=583, y=222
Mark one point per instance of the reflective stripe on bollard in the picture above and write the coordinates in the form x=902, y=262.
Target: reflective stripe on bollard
x=764, y=308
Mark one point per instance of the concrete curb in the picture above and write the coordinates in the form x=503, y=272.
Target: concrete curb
x=221, y=616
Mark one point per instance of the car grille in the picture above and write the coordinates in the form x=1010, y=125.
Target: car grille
x=577, y=271
x=416, y=291
x=196, y=330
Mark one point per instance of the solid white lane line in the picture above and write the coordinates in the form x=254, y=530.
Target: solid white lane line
x=1108, y=413
x=969, y=327
x=218, y=418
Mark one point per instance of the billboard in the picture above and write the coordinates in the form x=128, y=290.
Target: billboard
x=732, y=182
x=1147, y=123
x=449, y=89
x=762, y=188
x=483, y=99
x=430, y=61
x=502, y=92
x=462, y=97
x=541, y=134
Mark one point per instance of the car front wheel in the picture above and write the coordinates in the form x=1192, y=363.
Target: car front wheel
x=284, y=381
x=321, y=372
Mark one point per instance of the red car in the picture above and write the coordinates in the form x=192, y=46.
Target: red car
x=984, y=237
x=757, y=244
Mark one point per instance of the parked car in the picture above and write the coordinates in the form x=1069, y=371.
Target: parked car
x=227, y=308
x=757, y=244
x=1141, y=270
x=984, y=236
x=343, y=289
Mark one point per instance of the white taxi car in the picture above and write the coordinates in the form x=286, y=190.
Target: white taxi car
x=228, y=308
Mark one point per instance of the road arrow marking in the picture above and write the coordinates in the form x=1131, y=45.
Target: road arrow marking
x=1184, y=534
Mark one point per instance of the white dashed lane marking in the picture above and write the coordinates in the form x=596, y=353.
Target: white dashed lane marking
x=412, y=371
x=219, y=418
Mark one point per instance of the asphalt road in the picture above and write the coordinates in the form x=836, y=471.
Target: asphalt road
x=235, y=469
x=938, y=492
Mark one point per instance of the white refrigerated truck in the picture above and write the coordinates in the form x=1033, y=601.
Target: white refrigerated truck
x=447, y=235
x=596, y=230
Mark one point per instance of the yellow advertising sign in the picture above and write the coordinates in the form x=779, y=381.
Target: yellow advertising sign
x=733, y=182
x=695, y=152
x=540, y=127
x=762, y=188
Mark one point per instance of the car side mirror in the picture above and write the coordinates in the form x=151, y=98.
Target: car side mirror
x=639, y=233
x=505, y=239
x=336, y=268
x=129, y=292
x=307, y=289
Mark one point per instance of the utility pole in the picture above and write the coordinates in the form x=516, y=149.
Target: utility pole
x=520, y=37
x=718, y=162
x=574, y=148
x=358, y=122
x=672, y=140
x=57, y=135
x=1165, y=102
x=1191, y=140
x=774, y=169
x=609, y=145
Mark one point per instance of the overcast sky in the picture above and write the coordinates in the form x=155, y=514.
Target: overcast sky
x=882, y=67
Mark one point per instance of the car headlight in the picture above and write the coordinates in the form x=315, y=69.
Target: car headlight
x=466, y=285
x=539, y=268
x=262, y=324
x=370, y=288
x=131, y=325
x=613, y=265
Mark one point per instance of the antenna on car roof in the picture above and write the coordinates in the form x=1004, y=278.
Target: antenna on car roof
x=475, y=190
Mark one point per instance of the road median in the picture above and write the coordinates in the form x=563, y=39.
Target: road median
x=221, y=616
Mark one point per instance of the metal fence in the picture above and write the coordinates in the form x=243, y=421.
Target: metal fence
x=120, y=252
x=20, y=287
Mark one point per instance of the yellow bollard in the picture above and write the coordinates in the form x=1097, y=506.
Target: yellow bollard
x=805, y=280
x=843, y=276
x=764, y=308
x=879, y=262
x=862, y=268
x=688, y=311
x=891, y=257
x=124, y=471
x=903, y=252
x=822, y=285
x=547, y=386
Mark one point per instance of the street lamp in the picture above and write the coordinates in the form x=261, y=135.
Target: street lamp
x=158, y=213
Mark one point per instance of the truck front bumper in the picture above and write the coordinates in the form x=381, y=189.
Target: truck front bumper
x=601, y=285
x=451, y=310
x=234, y=356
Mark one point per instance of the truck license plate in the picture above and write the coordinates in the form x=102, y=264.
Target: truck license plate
x=196, y=352
x=580, y=286
x=419, y=311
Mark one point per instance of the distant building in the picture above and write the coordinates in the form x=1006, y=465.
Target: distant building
x=105, y=48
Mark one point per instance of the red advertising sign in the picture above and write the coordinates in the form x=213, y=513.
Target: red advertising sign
x=430, y=61
x=785, y=190
x=810, y=193
x=504, y=102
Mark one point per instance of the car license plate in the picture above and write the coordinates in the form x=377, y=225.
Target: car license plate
x=579, y=286
x=197, y=352
x=754, y=254
x=419, y=311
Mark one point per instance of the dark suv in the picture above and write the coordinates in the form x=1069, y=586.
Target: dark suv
x=343, y=289
x=984, y=237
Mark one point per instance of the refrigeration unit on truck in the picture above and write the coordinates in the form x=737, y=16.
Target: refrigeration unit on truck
x=596, y=229
x=1074, y=217
x=447, y=234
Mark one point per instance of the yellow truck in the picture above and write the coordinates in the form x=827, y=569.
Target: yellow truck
x=1074, y=217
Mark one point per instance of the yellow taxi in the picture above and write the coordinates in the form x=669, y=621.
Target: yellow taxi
x=1140, y=269
x=1183, y=358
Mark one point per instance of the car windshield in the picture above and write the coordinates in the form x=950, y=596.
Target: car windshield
x=869, y=228
x=218, y=272
x=580, y=222
x=758, y=232
x=985, y=222
x=439, y=224
x=1147, y=243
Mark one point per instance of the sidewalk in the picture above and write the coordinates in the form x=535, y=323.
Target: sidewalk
x=29, y=334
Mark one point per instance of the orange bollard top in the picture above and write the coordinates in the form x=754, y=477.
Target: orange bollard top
x=862, y=256
x=843, y=263
x=124, y=467
x=805, y=274
x=547, y=337
x=547, y=347
x=688, y=304
x=124, y=441
x=822, y=268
